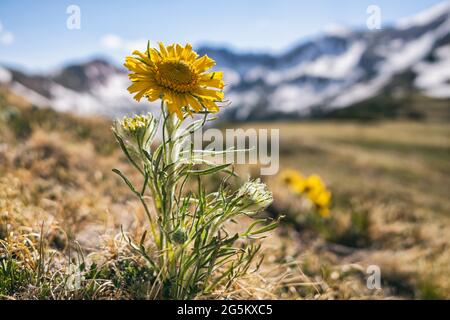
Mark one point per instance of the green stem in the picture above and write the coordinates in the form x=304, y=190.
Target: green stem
x=170, y=129
x=172, y=157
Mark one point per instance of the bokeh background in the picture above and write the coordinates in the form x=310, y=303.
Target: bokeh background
x=360, y=91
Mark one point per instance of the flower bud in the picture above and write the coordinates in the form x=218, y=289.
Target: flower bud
x=255, y=196
x=179, y=236
x=137, y=132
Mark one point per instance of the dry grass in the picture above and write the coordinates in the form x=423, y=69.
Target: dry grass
x=395, y=175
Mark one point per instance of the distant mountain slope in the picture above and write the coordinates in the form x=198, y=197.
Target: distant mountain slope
x=318, y=77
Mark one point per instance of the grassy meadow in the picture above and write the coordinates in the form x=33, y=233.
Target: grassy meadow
x=62, y=211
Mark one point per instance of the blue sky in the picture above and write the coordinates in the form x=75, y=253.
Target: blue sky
x=33, y=34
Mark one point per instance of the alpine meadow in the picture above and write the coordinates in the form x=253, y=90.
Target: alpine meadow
x=221, y=163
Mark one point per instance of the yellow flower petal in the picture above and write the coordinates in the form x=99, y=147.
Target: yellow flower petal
x=193, y=102
x=209, y=94
x=204, y=63
x=162, y=50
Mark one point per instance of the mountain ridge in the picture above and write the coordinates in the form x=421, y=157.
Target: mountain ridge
x=316, y=77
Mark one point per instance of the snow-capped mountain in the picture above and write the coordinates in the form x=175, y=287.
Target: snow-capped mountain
x=94, y=87
x=339, y=69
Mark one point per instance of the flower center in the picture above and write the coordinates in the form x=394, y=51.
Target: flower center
x=176, y=75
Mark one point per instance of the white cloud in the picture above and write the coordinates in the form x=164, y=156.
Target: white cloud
x=6, y=38
x=114, y=42
x=111, y=41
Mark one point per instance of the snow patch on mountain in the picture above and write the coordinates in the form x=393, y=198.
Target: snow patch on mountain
x=360, y=92
x=336, y=67
x=231, y=78
x=290, y=98
x=31, y=95
x=399, y=56
x=294, y=99
x=424, y=17
x=434, y=77
x=410, y=53
x=65, y=99
x=110, y=98
x=5, y=75
x=247, y=98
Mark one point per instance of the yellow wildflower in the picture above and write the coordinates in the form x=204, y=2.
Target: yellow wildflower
x=323, y=199
x=314, y=182
x=312, y=187
x=178, y=76
x=294, y=180
x=324, y=212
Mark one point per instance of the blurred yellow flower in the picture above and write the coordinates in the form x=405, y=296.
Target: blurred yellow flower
x=312, y=187
x=323, y=199
x=294, y=180
x=314, y=182
x=178, y=76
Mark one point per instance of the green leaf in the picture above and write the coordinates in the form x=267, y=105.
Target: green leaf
x=209, y=170
x=125, y=179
